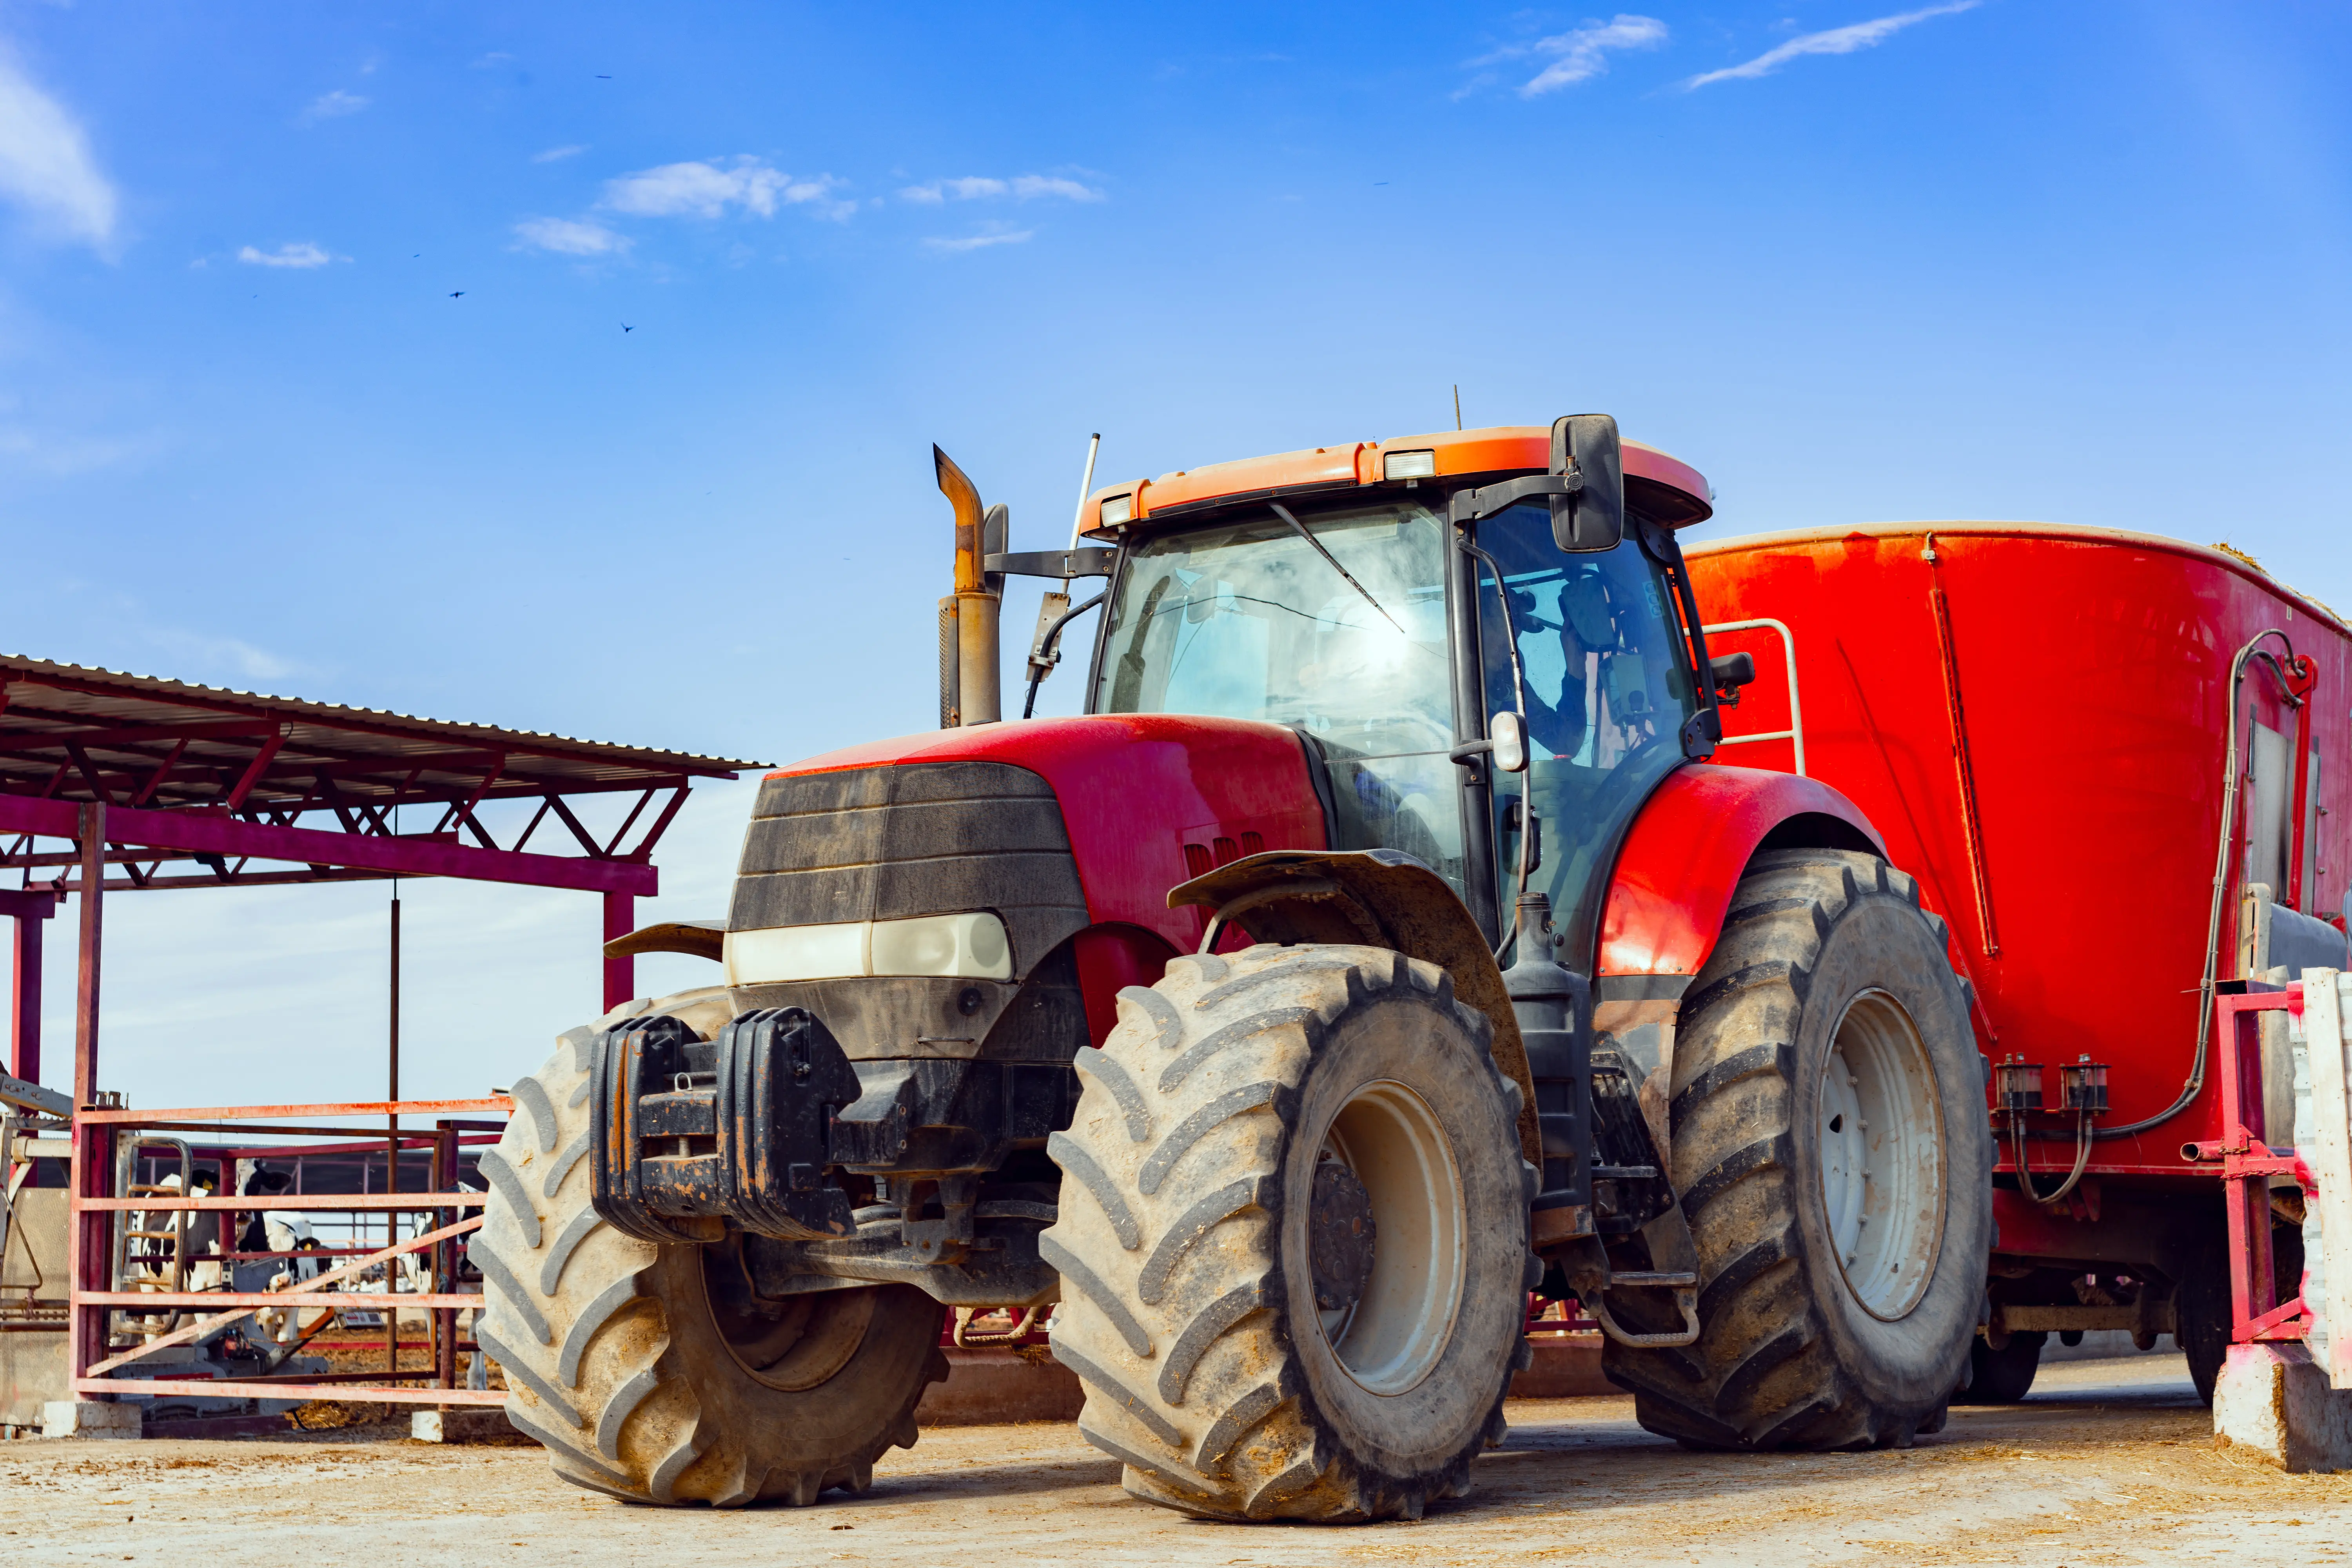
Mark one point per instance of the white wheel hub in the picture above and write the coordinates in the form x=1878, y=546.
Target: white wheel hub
x=1394, y=1332
x=1881, y=1139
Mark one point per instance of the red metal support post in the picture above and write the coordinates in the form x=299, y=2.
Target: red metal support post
x=2247, y=1167
x=29, y=910
x=620, y=973
x=89, y=1254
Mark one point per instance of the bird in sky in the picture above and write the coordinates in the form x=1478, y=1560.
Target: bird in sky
x=456, y=294
x=626, y=328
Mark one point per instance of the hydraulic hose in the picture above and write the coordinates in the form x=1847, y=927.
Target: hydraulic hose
x=2231, y=772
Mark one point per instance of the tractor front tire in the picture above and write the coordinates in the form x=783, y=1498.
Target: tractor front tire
x=1828, y=1121
x=1292, y=1236
x=650, y=1373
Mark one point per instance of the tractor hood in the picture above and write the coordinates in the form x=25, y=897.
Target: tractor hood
x=1147, y=800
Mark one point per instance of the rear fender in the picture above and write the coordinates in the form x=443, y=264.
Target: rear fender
x=1379, y=898
x=1673, y=884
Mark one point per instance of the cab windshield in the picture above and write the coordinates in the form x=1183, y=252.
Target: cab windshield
x=1247, y=620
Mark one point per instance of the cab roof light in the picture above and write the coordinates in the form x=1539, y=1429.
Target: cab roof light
x=1116, y=511
x=1421, y=464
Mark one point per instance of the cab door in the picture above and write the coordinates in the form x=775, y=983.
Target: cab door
x=1604, y=680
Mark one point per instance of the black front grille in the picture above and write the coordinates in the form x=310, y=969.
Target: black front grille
x=922, y=838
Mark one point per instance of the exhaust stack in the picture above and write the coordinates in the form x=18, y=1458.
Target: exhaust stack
x=970, y=690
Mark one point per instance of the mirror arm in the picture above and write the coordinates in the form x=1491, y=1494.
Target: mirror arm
x=1469, y=505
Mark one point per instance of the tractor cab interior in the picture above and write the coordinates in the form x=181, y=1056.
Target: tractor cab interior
x=1337, y=626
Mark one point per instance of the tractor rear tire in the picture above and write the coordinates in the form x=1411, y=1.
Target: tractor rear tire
x=1292, y=1236
x=1840, y=1267
x=648, y=1371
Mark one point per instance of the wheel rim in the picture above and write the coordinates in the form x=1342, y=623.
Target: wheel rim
x=1881, y=1138
x=791, y=1346
x=1394, y=1332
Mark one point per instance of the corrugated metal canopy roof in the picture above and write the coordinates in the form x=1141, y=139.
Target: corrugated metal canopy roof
x=72, y=733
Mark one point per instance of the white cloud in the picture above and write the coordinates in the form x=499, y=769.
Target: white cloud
x=301, y=255
x=993, y=235
x=251, y=663
x=1025, y=187
x=557, y=154
x=333, y=106
x=1021, y=188
x=1833, y=41
x=45, y=164
x=63, y=456
x=567, y=237
x=1582, y=53
x=966, y=189
x=707, y=190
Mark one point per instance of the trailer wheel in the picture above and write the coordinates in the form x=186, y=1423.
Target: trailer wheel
x=650, y=1373
x=2003, y=1376
x=1292, y=1236
x=1827, y=1116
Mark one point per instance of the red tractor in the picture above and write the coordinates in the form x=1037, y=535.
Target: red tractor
x=1380, y=947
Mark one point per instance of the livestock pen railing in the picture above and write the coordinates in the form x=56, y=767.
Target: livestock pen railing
x=112, y=1309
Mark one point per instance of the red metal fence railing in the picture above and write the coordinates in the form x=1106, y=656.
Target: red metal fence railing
x=105, y=1328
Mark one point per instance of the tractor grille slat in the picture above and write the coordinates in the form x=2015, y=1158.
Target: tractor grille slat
x=919, y=839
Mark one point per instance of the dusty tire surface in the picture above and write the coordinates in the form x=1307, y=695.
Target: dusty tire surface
x=612, y=1351
x=1817, y=945
x=1273, y=1316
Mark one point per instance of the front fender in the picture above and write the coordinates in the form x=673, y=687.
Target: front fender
x=1673, y=884
x=1383, y=899
x=1683, y=858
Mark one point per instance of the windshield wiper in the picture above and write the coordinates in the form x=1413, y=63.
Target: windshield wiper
x=1315, y=544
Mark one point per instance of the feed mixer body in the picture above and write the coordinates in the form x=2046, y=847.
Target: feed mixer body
x=2037, y=719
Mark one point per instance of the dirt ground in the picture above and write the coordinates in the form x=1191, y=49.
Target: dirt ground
x=2109, y=1463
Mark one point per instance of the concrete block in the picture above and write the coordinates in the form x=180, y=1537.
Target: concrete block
x=994, y=1384
x=2275, y=1401
x=1566, y=1366
x=467, y=1424
x=91, y=1418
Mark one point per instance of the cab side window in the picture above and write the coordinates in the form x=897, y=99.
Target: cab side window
x=1607, y=693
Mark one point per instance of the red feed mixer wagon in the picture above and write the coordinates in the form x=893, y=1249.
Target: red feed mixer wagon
x=2118, y=765
x=1388, y=942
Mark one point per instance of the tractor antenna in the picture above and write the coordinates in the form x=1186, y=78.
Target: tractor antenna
x=1457, y=406
x=1054, y=611
x=1078, y=520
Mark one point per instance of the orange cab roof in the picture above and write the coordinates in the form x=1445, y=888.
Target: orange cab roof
x=1661, y=487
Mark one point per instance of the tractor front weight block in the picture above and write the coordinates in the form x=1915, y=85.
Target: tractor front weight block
x=690, y=1133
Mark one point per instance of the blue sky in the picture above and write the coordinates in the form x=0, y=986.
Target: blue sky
x=1855, y=261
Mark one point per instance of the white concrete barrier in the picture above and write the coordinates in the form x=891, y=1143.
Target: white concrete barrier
x=91, y=1418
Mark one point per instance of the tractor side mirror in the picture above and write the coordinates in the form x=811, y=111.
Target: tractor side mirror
x=1510, y=743
x=1592, y=517
x=1727, y=672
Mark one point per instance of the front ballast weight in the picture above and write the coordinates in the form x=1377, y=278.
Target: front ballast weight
x=689, y=1133
x=770, y=1130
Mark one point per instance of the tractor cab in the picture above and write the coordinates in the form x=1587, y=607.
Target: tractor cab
x=1399, y=639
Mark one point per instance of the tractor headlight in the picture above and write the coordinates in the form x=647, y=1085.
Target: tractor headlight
x=973, y=945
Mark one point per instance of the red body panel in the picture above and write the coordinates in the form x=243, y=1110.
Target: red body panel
x=1135, y=789
x=2089, y=673
x=1684, y=856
